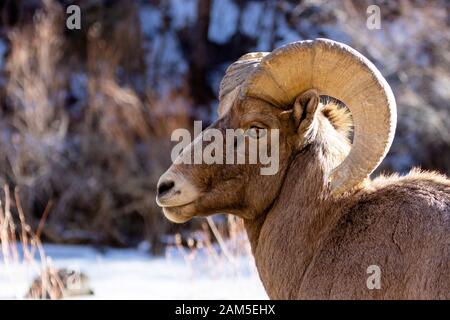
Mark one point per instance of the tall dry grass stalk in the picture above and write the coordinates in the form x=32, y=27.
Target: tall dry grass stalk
x=25, y=253
x=223, y=249
x=116, y=111
x=35, y=91
x=99, y=159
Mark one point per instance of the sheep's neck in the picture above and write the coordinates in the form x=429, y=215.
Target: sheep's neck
x=294, y=225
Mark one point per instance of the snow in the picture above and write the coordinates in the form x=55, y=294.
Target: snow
x=284, y=32
x=165, y=60
x=150, y=19
x=266, y=28
x=134, y=274
x=78, y=85
x=2, y=53
x=183, y=12
x=250, y=18
x=224, y=21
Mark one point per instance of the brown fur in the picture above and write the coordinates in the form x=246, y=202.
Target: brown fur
x=308, y=244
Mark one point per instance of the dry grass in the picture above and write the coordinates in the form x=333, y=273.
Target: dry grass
x=98, y=160
x=21, y=247
x=215, y=250
x=35, y=91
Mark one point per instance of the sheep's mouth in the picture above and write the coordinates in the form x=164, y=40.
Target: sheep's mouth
x=180, y=214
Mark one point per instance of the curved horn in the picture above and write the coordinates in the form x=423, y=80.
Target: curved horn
x=336, y=70
x=235, y=76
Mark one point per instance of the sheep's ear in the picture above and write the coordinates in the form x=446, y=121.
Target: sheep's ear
x=304, y=113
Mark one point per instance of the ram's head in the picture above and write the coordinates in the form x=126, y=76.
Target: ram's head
x=281, y=91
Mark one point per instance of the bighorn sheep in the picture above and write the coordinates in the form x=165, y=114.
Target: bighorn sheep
x=319, y=225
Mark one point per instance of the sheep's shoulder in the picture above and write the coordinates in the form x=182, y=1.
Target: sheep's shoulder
x=402, y=225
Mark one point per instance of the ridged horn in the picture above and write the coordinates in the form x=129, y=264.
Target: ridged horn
x=333, y=69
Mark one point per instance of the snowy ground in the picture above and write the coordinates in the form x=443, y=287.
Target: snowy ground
x=134, y=274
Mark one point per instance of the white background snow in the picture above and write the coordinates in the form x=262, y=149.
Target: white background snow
x=134, y=274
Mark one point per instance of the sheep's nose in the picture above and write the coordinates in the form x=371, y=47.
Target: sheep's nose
x=174, y=190
x=164, y=187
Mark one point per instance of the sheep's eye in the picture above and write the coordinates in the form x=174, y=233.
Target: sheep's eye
x=256, y=132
